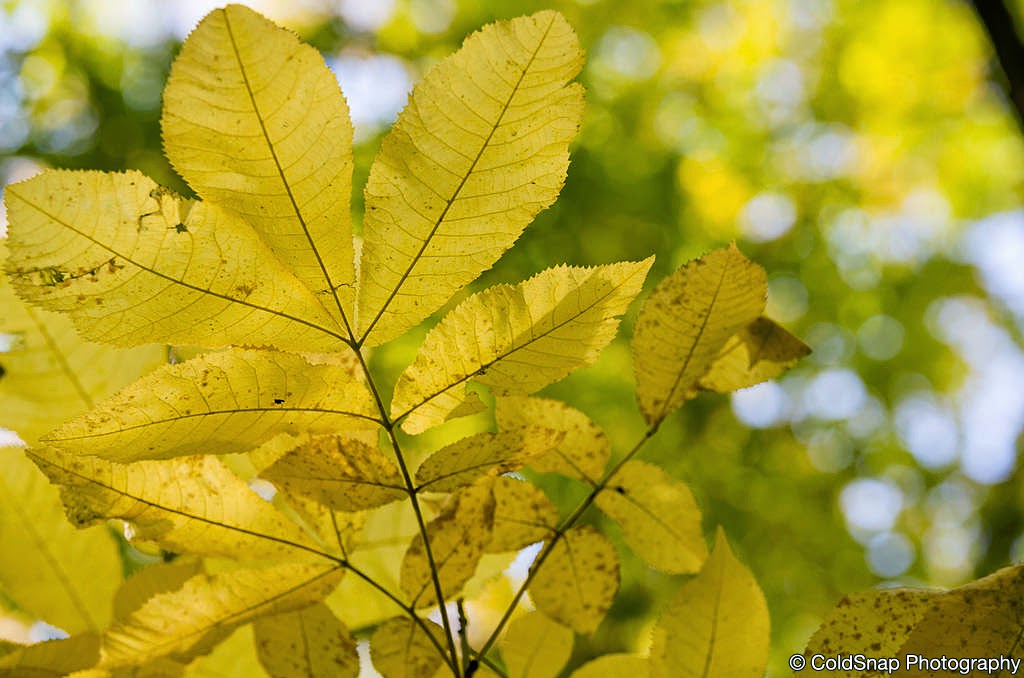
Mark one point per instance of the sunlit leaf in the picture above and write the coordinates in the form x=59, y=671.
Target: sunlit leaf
x=41, y=554
x=208, y=607
x=523, y=515
x=153, y=580
x=307, y=642
x=133, y=264
x=615, y=666
x=400, y=648
x=457, y=536
x=233, y=657
x=536, y=647
x=188, y=505
x=462, y=462
x=346, y=475
x=658, y=515
x=255, y=122
x=576, y=584
x=760, y=351
x=216, y=404
x=516, y=339
x=687, y=321
x=481, y=148
x=716, y=625
x=584, y=449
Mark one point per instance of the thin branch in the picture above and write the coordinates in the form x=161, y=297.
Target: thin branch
x=1002, y=32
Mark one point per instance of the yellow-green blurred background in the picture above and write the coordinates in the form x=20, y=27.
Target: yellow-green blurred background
x=862, y=151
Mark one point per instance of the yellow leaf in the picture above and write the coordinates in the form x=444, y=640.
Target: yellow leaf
x=981, y=620
x=155, y=579
x=687, y=320
x=52, y=658
x=462, y=462
x=216, y=404
x=208, y=607
x=575, y=586
x=41, y=556
x=48, y=374
x=255, y=122
x=481, y=148
x=189, y=505
x=523, y=515
x=584, y=449
x=516, y=339
x=658, y=515
x=760, y=351
x=716, y=625
x=132, y=263
x=615, y=666
x=457, y=539
x=308, y=642
x=400, y=648
x=536, y=647
x=346, y=475
x=232, y=658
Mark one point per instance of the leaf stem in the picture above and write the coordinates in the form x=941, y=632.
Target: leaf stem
x=559, y=532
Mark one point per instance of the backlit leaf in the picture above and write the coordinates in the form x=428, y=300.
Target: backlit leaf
x=188, y=505
x=462, y=462
x=216, y=404
x=307, y=642
x=48, y=374
x=481, y=148
x=658, y=515
x=615, y=666
x=584, y=449
x=686, y=322
x=536, y=647
x=233, y=657
x=760, y=351
x=516, y=339
x=52, y=658
x=457, y=540
x=346, y=475
x=132, y=263
x=208, y=607
x=576, y=584
x=523, y=515
x=153, y=580
x=716, y=625
x=400, y=648
x=254, y=121
x=41, y=554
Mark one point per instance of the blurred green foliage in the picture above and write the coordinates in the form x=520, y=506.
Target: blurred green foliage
x=862, y=152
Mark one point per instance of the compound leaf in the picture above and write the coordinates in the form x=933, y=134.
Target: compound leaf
x=400, y=648
x=523, y=515
x=536, y=647
x=687, y=320
x=760, y=351
x=658, y=515
x=716, y=625
x=584, y=449
x=307, y=642
x=255, y=122
x=134, y=264
x=457, y=537
x=481, y=148
x=208, y=607
x=41, y=555
x=578, y=581
x=459, y=464
x=344, y=474
x=516, y=339
x=189, y=505
x=219, y=403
